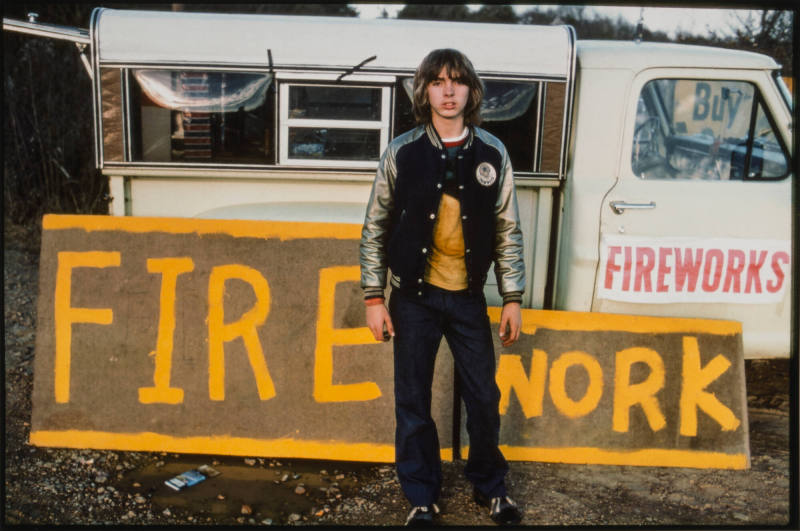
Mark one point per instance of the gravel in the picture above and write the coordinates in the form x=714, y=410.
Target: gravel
x=50, y=486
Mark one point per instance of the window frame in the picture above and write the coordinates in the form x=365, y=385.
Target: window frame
x=761, y=102
x=285, y=123
x=698, y=76
x=783, y=90
x=542, y=83
x=387, y=81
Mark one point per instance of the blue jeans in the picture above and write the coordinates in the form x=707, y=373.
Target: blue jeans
x=419, y=324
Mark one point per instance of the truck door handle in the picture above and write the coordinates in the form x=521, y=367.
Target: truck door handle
x=620, y=206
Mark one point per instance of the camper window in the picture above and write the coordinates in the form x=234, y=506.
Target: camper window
x=200, y=116
x=333, y=125
x=704, y=129
x=190, y=117
x=509, y=111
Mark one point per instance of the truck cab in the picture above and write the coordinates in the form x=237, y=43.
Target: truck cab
x=677, y=198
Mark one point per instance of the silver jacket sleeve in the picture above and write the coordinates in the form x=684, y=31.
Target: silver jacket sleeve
x=509, y=264
x=376, y=226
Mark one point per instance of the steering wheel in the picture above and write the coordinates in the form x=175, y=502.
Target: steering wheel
x=651, y=127
x=650, y=142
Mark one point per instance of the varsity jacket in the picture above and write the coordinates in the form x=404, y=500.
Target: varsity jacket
x=401, y=213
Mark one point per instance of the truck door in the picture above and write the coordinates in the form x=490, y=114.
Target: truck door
x=698, y=223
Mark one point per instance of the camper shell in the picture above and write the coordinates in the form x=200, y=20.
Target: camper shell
x=285, y=117
x=283, y=59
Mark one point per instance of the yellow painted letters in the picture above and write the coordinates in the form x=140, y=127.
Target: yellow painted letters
x=558, y=392
x=169, y=268
x=66, y=315
x=328, y=337
x=530, y=390
x=246, y=327
x=626, y=395
x=695, y=379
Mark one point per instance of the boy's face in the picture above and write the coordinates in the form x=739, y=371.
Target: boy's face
x=448, y=97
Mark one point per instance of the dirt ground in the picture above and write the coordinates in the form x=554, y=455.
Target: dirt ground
x=46, y=486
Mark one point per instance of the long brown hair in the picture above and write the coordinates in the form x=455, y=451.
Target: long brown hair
x=458, y=67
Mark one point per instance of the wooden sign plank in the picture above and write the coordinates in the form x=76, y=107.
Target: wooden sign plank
x=248, y=338
x=211, y=336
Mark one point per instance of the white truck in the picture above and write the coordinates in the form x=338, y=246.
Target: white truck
x=652, y=179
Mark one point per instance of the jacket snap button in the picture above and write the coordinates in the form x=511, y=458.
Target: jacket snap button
x=460, y=186
x=444, y=156
x=424, y=250
x=464, y=217
x=433, y=216
x=468, y=250
x=419, y=281
x=439, y=185
x=419, y=293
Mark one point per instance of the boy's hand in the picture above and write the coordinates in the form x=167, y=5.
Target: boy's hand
x=377, y=316
x=510, y=323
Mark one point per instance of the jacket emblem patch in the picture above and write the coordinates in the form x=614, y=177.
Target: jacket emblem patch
x=486, y=174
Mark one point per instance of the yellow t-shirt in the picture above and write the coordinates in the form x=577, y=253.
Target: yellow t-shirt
x=446, y=266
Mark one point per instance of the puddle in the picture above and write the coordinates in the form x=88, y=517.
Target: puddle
x=267, y=487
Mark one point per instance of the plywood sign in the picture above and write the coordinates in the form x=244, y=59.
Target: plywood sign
x=598, y=388
x=248, y=338
x=212, y=336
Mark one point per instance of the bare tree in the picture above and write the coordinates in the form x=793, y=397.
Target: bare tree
x=502, y=13
x=435, y=12
x=589, y=26
x=300, y=8
x=770, y=32
x=48, y=163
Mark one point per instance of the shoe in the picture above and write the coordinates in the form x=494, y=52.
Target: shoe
x=422, y=516
x=502, y=509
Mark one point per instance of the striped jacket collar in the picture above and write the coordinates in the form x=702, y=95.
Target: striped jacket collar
x=434, y=138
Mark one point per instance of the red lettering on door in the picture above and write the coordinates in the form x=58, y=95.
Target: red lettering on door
x=611, y=265
x=687, y=269
x=734, y=270
x=663, y=269
x=775, y=286
x=753, y=271
x=645, y=261
x=626, y=276
x=712, y=277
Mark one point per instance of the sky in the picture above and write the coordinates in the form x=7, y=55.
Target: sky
x=666, y=19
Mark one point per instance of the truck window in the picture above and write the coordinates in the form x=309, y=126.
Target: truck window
x=509, y=112
x=705, y=129
x=333, y=125
x=201, y=116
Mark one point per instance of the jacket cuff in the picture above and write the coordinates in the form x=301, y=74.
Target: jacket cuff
x=512, y=296
x=373, y=293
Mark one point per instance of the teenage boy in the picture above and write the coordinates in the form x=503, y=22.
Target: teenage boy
x=442, y=208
